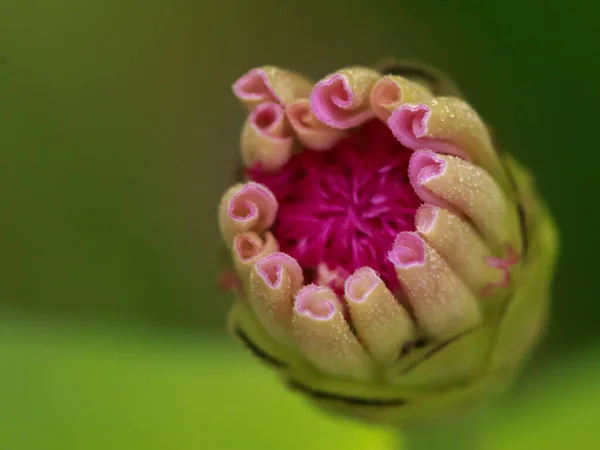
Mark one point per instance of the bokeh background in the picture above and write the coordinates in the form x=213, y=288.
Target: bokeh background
x=118, y=134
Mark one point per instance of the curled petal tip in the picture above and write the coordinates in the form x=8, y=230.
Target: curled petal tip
x=317, y=302
x=361, y=284
x=246, y=207
x=409, y=124
x=342, y=99
x=425, y=165
x=272, y=267
x=268, y=118
x=265, y=138
x=269, y=83
x=384, y=96
x=408, y=250
x=250, y=201
x=274, y=280
x=248, y=248
x=391, y=91
x=329, y=99
x=248, y=245
x=254, y=87
x=310, y=131
x=426, y=217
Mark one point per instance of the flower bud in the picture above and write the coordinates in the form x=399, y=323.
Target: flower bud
x=392, y=264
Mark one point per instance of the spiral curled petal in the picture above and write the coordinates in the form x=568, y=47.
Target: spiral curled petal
x=392, y=91
x=270, y=84
x=246, y=207
x=310, y=131
x=266, y=138
x=341, y=100
x=248, y=248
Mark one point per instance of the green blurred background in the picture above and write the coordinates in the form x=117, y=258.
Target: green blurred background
x=118, y=134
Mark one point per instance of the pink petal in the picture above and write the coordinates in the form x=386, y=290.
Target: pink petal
x=425, y=165
x=272, y=267
x=331, y=100
x=409, y=125
x=316, y=302
x=408, y=250
x=254, y=86
x=253, y=202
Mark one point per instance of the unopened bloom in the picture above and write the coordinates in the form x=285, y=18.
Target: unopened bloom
x=392, y=262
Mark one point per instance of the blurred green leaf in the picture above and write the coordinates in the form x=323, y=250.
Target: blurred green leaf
x=81, y=387
x=75, y=388
x=554, y=411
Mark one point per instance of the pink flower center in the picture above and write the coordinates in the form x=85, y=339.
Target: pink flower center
x=341, y=209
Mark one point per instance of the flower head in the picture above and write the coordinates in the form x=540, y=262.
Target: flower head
x=391, y=261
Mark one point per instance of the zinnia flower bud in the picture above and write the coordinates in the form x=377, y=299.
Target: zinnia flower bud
x=393, y=263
